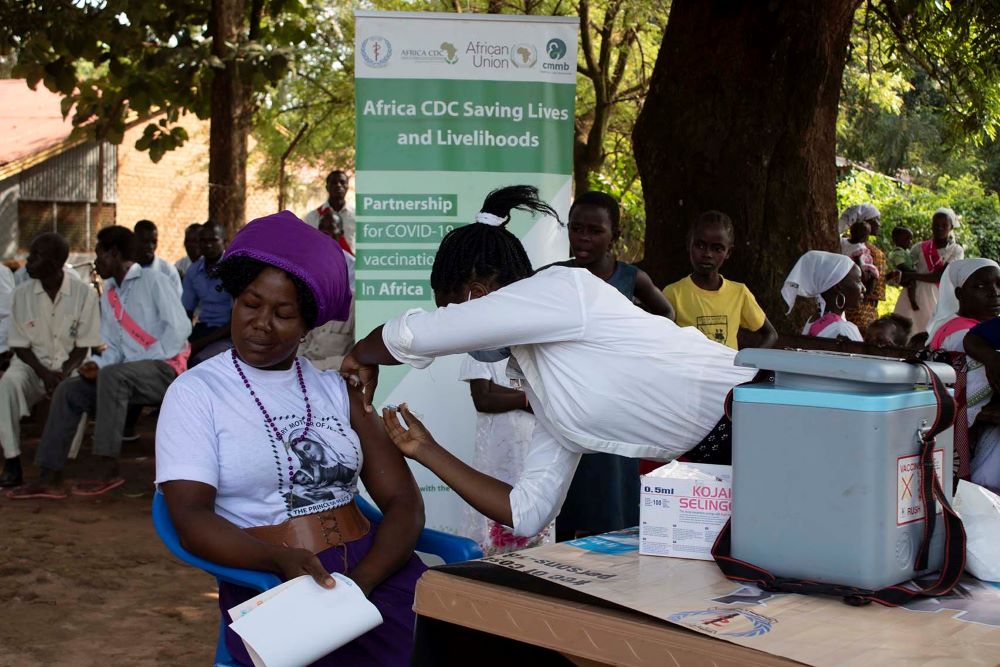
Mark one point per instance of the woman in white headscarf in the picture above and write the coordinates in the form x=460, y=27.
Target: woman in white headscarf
x=835, y=282
x=930, y=259
x=970, y=294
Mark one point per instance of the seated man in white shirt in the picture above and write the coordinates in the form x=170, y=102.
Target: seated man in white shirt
x=145, y=329
x=54, y=323
x=7, y=286
x=146, y=240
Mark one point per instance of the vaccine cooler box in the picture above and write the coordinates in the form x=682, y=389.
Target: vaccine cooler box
x=826, y=474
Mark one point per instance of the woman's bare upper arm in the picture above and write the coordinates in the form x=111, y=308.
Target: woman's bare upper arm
x=183, y=496
x=384, y=471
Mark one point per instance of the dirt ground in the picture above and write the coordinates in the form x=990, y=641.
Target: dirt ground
x=85, y=581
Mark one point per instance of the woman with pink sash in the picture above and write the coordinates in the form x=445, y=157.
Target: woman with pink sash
x=834, y=281
x=930, y=258
x=970, y=294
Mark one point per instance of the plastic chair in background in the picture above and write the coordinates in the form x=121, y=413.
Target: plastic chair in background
x=450, y=548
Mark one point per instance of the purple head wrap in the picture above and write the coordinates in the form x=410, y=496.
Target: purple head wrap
x=285, y=242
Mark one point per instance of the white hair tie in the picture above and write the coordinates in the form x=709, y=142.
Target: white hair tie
x=490, y=219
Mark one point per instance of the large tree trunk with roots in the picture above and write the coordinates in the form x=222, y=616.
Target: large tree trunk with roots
x=232, y=113
x=741, y=117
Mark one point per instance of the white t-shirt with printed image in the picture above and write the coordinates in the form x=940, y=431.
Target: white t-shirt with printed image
x=211, y=430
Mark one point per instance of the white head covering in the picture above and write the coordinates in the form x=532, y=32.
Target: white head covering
x=948, y=213
x=954, y=276
x=857, y=213
x=814, y=273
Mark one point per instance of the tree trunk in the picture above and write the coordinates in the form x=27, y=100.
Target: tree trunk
x=230, y=121
x=741, y=117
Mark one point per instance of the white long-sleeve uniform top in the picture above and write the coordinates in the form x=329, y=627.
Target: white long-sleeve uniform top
x=601, y=375
x=149, y=297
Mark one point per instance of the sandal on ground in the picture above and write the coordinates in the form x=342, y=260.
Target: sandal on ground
x=31, y=491
x=96, y=487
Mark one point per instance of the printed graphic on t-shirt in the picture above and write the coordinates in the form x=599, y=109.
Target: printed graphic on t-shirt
x=715, y=327
x=323, y=470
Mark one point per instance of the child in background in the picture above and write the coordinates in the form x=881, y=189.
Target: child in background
x=594, y=227
x=901, y=259
x=889, y=331
x=504, y=424
x=856, y=247
x=604, y=495
x=721, y=309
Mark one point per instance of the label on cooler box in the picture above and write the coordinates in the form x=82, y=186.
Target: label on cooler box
x=682, y=517
x=908, y=478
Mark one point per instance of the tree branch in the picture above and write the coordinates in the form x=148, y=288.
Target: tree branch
x=256, y=12
x=586, y=42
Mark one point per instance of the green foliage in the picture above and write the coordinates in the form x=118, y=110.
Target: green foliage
x=116, y=60
x=957, y=44
x=318, y=95
x=913, y=206
x=894, y=115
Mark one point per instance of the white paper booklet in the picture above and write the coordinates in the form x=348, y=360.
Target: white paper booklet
x=298, y=622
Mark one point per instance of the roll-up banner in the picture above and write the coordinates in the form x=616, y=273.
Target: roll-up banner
x=449, y=107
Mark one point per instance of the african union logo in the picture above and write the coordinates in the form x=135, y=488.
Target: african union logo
x=523, y=55
x=556, y=48
x=376, y=51
x=725, y=622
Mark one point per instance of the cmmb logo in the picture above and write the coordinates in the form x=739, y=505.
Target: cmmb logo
x=376, y=51
x=556, y=50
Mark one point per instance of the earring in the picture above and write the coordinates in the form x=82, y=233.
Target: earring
x=302, y=340
x=840, y=301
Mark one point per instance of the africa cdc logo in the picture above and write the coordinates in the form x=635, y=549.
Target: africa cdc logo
x=376, y=51
x=556, y=48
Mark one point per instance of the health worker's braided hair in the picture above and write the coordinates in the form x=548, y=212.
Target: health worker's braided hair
x=487, y=250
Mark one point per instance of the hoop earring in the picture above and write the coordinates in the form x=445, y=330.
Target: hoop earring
x=840, y=301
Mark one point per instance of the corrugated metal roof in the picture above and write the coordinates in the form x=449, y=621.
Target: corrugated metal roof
x=30, y=120
x=72, y=176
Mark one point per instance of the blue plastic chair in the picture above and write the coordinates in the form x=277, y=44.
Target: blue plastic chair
x=450, y=548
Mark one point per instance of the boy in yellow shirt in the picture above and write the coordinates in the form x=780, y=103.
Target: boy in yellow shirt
x=719, y=308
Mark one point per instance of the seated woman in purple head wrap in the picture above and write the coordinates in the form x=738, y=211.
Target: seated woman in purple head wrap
x=258, y=453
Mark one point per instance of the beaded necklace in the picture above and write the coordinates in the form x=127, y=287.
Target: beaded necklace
x=274, y=428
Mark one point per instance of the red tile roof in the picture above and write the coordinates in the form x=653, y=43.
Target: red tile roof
x=30, y=120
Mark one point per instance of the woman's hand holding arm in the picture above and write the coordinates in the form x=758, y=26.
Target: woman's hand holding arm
x=388, y=479
x=360, y=367
x=206, y=534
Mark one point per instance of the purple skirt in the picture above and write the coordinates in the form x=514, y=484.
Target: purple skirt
x=390, y=644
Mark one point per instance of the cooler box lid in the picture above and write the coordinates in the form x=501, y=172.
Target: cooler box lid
x=838, y=371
